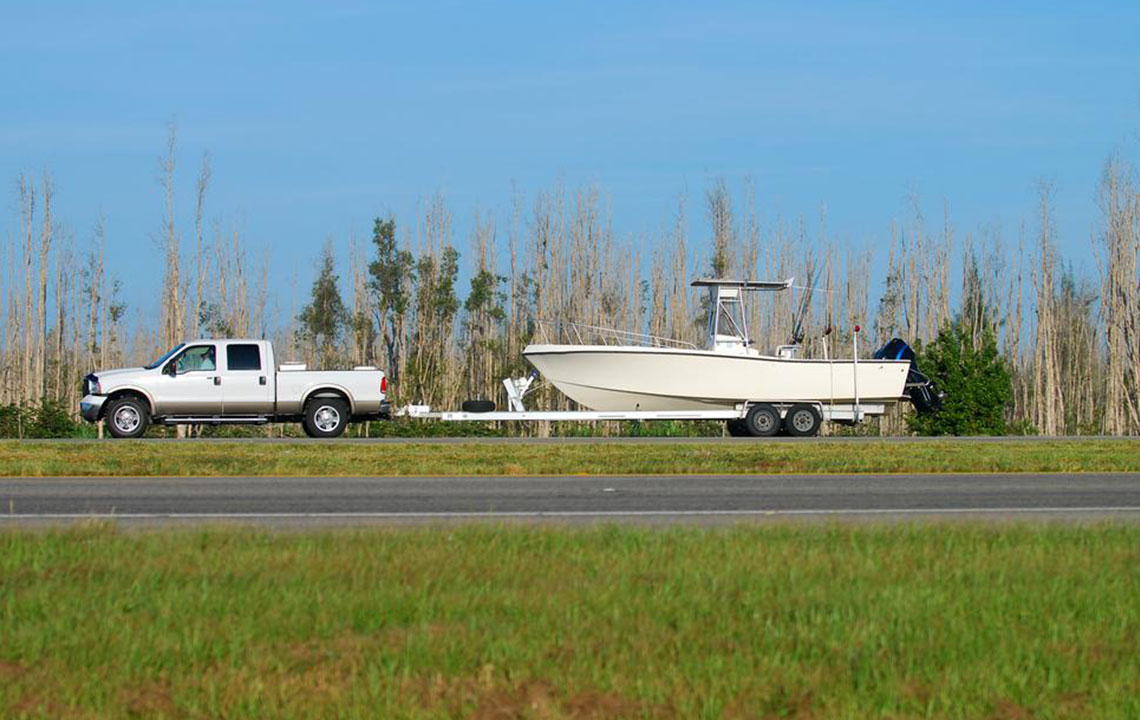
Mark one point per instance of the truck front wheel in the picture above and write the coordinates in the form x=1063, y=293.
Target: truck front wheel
x=325, y=417
x=127, y=417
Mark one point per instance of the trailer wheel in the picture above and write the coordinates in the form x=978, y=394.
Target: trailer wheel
x=737, y=428
x=127, y=417
x=802, y=421
x=325, y=417
x=762, y=420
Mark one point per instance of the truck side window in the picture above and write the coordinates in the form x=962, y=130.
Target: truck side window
x=243, y=357
x=199, y=357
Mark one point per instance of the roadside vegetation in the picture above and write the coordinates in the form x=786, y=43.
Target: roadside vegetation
x=220, y=458
x=956, y=621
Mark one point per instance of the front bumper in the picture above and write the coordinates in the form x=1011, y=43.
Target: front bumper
x=91, y=407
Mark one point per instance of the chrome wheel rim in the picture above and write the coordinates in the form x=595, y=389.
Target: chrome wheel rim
x=127, y=419
x=803, y=421
x=327, y=418
x=763, y=421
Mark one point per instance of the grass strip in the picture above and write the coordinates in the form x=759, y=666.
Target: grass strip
x=959, y=621
x=122, y=458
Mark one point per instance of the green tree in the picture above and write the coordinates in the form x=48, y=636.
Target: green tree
x=392, y=274
x=436, y=305
x=975, y=378
x=482, y=326
x=324, y=319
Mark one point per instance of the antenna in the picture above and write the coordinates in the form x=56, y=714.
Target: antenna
x=805, y=301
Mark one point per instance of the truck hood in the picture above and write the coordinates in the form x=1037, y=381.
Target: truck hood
x=107, y=374
x=118, y=376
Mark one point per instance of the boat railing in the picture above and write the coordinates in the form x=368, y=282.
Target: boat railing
x=565, y=332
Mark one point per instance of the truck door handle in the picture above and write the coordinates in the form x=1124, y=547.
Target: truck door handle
x=217, y=380
x=261, y=380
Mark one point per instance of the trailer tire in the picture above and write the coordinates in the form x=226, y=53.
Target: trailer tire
x=737, y=428
x=478, y=406
x=325, y=417
x=127, y=417
x=802, y=420
x=762, y=420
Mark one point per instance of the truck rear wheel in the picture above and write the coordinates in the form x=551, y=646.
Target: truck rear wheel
x=127, y=417
x=325, y=417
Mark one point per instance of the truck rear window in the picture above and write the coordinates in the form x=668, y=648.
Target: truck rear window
x=243, y=357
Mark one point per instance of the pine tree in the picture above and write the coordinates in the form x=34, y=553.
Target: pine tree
x=324, y=319
x=392, y=274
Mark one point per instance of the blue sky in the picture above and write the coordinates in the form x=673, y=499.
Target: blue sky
x=320, y=116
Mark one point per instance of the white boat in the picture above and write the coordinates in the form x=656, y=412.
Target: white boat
x=625, y=371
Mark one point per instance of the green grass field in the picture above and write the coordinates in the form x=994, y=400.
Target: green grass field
x=296, y=459
x=957, y=621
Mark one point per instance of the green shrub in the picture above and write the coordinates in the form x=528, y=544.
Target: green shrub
x=976, y=380
x=49, y=419
x=13, y=419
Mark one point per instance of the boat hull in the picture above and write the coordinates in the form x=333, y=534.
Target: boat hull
x=602, y=377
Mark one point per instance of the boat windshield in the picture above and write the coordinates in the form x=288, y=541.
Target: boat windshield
x=730, y=318
x=166, y=356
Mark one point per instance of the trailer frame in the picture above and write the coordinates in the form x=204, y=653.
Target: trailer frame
x=518, y=388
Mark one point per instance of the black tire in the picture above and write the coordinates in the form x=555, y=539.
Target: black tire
x=762, y=420
x=802, y=421
x=478, y=406
x=325, y=417
x=127, y=417
x=737, y=428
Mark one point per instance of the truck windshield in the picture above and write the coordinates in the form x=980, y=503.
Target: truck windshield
x=166, y=356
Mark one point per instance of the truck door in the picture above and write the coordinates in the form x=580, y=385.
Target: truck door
x=247, y=386
x=190, y=383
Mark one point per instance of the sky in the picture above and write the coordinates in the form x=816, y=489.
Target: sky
x=320, y=116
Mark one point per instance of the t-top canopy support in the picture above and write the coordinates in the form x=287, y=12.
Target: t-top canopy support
x=745, y=284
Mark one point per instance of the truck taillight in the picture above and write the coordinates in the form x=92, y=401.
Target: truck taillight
x=384, y=384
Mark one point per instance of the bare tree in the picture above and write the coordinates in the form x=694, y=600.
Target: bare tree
x=200, y=268
x=172, y=312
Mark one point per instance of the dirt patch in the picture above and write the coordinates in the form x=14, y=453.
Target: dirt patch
x=917, y=691
x=796, y=705
x=537, y=700
x=529, y=701
x=11, y=669
x=1009, y=710
x=602, y=706
x=1072, y=705
x=150, y=700
x=37, y=706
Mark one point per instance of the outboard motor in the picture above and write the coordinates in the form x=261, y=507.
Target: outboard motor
x=922, y=392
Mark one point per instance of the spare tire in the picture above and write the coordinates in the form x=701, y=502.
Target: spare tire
x=478, y=406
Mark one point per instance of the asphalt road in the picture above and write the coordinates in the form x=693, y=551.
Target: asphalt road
x=652, y=499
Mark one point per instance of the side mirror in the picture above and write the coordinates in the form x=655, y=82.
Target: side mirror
x=171, y=369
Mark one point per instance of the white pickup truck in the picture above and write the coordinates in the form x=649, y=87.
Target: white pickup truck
x=211, y=382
